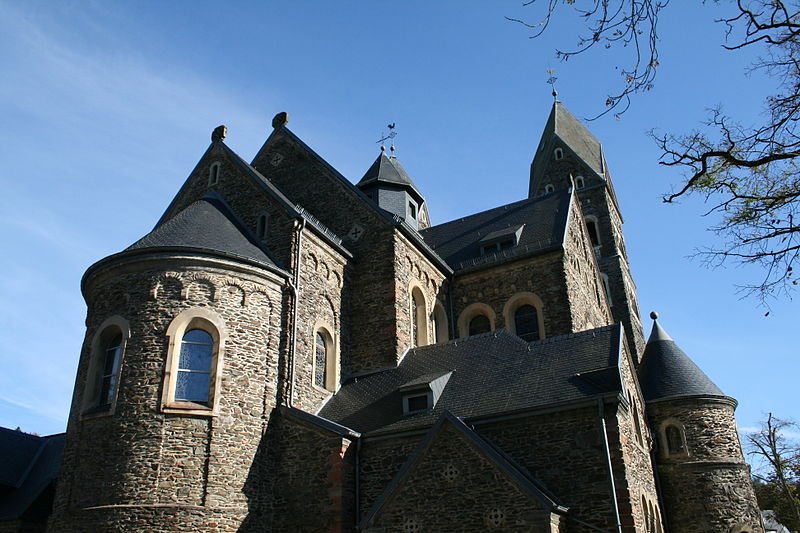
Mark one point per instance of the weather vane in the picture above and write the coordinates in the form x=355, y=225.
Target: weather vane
x=384, y=137
x=552, y=81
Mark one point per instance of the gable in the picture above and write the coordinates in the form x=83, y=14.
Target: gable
x=455, y=479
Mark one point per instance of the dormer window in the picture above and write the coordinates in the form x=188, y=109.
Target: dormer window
x=421, y=394
x=503, y=239
x=412, y=210
x=213, y=174
x=549, y=188
x=558, y=154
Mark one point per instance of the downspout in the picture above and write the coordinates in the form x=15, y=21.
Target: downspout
x=601, y=413
x=295, y=288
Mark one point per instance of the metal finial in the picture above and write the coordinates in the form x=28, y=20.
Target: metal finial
x=386, y=137
x=653, y=315
x=552, y=81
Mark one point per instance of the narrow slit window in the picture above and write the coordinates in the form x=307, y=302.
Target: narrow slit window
x=213, y=174
x=320, y=361
x=558, y=154
x=261, y=227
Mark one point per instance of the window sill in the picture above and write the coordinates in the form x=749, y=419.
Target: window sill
x=97, y=412
x=187, y=408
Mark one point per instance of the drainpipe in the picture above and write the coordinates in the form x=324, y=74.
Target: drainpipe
x=299, y=225
x=615, y=506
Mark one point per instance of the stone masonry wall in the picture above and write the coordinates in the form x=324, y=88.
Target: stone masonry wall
x=708, y=488
x=369, y=280
x=413, y=269
x=542, y=275
x=454, y=488
x=159, y=466
x=564, y=450
x=322, y=273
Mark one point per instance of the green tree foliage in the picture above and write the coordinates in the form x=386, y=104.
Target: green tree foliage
x=748, y=175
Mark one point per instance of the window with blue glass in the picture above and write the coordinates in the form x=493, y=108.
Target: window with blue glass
x=194, y=367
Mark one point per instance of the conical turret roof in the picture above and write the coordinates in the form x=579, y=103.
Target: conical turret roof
x=667, y=372
x=387, y=169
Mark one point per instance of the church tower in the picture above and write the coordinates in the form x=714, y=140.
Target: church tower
x=569, y=156
x=705, y=482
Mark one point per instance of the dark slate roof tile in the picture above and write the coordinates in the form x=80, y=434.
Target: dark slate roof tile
x=387, y=170
x=206, y=225
x=667, y=372
x=493, y=373
x=544, y=219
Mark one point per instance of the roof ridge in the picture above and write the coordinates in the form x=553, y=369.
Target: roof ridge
x=497, y=208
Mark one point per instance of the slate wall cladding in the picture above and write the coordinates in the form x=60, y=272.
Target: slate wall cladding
x=464, y=501
x=708, y=490
x=322, y=272
x=139, y=456
x=312, y=476
x=370, y=276
x=413, y=268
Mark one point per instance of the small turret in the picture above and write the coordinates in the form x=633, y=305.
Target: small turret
x=705, y=482
x=387, y=183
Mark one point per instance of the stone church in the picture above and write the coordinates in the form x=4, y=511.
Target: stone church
x=289, y=351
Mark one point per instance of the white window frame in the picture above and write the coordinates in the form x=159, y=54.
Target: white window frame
x=90, y=406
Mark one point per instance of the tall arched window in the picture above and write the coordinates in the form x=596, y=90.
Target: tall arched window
x=674, y=438
x=637, y=425
x=419, y=318
x=440, y=328
x=112, y=356
x=193, y=378
x=479, y=324
x=320, y=360
x=261, y=226
x=526, y=322
x=213, y=174
x=194, y=367
x=594, y=231
x=105, y=366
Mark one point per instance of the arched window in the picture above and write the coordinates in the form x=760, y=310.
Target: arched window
x=526, y=323
x=194, y=367
x=594, y=232
x=419, y=318
x=261, y=226
x=645, y=513
x=320, y=360
x=674, y=438
x=194, y=363
x=105, y=365
x=637, y=425
x=579, y=182
x=213, y=174
x=607, y=288
x=549, y=188
x=440, y=327
x=479, y=324
x=558, y=154
x=651, y=524
x=324, y=359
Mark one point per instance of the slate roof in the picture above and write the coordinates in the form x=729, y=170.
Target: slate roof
x=387, y=169
x=29, y=464
x=544, y=217
x=206, y=225
x=493, y=373
x=667, y=372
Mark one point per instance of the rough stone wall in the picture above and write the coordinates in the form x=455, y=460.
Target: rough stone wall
x=709, y=488
x=322, y=272
x=247, y=199
x=587, y=298
x=637, y=479
x=311, y=478
x=453, y=488
x=160, y=466
x=379, y=461
x=542, y=275
x=413, y=268
x=369, y=280
x=564, y=450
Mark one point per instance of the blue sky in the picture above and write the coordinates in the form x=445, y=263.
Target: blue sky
x=107, y=106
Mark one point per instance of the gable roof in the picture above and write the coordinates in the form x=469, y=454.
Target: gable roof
x=493, y=373
x=544, y=219
x=667, y=372
x=30, y=464
x=209, y=226
x=387, y=169
x=507, y=466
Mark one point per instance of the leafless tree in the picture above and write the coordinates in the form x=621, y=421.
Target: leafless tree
x=748, y=175
x=780, y=457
